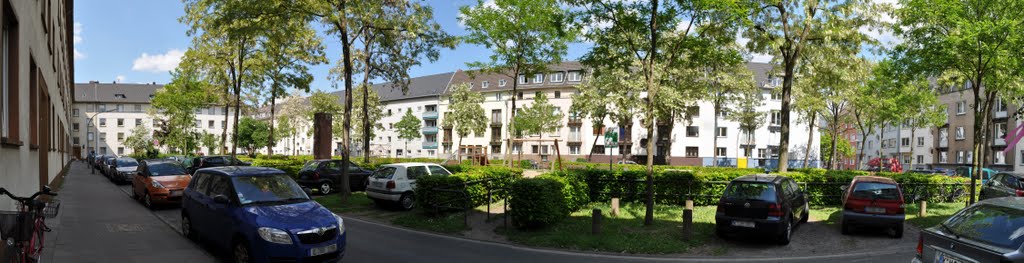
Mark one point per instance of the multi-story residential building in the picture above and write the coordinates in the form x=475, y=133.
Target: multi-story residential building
x=36, y=76
x=912, y=146
x=423, y=99
x=954, y=140
x=104, y=114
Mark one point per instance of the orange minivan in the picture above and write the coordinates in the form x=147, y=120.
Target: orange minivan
x=159, y=182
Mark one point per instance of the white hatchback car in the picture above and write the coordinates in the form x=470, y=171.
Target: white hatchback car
x=395, y=182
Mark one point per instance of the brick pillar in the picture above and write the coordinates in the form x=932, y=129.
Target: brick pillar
x=322, y=136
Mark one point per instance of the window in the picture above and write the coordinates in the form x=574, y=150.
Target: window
x=692, y=131
x=558, y=94
x=209, y=124
x=471, y=85
x=497, y=96
x=496, y=149
x=538, y=78
x=223, y=124
x=120, y=122
x=501, y=82
x=120, y=137
x=74, y=113
x=103, y=107
x=75, y=140
x=74, y=126
x=904, y=141
x=776, y=117
x=212, y=111
x=556, y=77
x=33, y=104
x=970, y=156
x=10, y=116
x=484, y=84
x=906, y=159
x=1000, y=130
x=943, y=157
x=138, y=122
x=959, y=133
x=999, y=106
x=520, y=95
x=721, y=132
x=943, y=134
x=389, y=112
x=691, y=151
x=575, y=76
x=720, y=151
x=103, y=136
x=775, y=94
x=997, y=226
x=534, y=149
x=999, y=157
x=522, y=79
x=961, y=108
x=762, y=153
x=138, y=108
x=103, y=122
x=89, y=136
x=920, y=141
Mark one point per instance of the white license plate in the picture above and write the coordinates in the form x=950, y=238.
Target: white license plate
x=316, y=251
x=743, y=224
x=943, y=258
x=377, y=184
x=176, y=193
x=875, y=210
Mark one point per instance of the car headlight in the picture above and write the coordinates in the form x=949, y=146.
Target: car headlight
x=274, y=235
x=341, y=224
x=156, y=184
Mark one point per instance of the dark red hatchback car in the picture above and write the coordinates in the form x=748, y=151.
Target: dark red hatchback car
x=873, y=201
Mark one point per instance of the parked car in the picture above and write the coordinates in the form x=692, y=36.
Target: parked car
x=213, y=161
x=987, y=231
x=261, y=215
x=108, y=166
x=1003, y=185
x=873, y=201
x=177, y=158
x=885, y=165
x=325, y=175
x=965, y=171
x=395, y=182
x=626, y=162
x=100, y=162
x=159, y=181
x=763, y=204
x=123, y=170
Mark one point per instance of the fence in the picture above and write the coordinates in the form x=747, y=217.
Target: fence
x=458, y=197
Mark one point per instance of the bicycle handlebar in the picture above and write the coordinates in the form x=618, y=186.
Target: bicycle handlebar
x=45, y=191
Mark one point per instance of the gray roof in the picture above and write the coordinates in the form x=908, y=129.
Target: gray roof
x=105, y=92
x=761, y=72
x=477, y=78
x=419, y=87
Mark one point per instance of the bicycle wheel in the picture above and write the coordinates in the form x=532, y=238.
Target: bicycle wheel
x=34, y=248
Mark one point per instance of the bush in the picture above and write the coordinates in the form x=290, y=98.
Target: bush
x=474, y=184
x=427, y=197
x=537, y=202
x=525, y=164
x=290, y=167
x=574, y=190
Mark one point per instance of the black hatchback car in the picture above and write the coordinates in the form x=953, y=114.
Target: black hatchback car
x=1003, y=185
x=325, y=176
x=213, y=161
x=988, y=231
x=761, y=204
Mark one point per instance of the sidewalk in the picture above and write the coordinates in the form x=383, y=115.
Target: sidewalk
x=99, y=223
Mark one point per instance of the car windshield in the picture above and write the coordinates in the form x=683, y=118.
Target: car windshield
x=311, y=165
x=751, y=191
x=995, y=225
x=876, y=191
x=165, y=169
x=268, y=189
x=127, y=162
x=384, y=172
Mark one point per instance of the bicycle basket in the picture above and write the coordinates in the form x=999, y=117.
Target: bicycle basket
x=51, y=209
x=16, y=225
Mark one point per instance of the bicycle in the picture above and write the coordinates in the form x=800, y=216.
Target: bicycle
x=23, y=230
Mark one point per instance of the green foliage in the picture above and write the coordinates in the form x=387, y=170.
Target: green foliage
x=575, y=192
x=525, y=164
x=375, y=112
x=289, y=166
x=252, y=134
x=843, y=148
x=465, y=113
x=174, y=107
x=538, y=202
x=210, y=141
x=408, y=127
x=475, y=183
x=539, y=118
x=139, y=140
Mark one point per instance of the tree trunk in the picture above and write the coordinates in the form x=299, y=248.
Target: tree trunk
x=273, y=101
x=863, y=143
x=787, y=98
x=913, y=133
x=342, y=27
x=810, y=140
x=714, y=136
x=651, y=94
x=366, y=94
x=512, y=117
x=832, y=163
x=592, y=146
x=224, y=131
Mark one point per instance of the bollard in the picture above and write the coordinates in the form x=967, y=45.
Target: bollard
x=687, y=223
x=689, y=204
x=924, y=209
x=595, y=227
x=615, y=206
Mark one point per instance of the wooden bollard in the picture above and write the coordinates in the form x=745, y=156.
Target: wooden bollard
x=615, y=206
x=689, y=204
x=595, y=227
x=924, y=209
x=687, y=223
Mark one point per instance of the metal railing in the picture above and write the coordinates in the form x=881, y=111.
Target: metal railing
x=462, y=201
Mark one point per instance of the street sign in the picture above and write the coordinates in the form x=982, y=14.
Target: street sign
x=611, y=139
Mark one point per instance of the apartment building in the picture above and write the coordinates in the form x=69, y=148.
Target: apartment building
x=104, y=115
x=423, y=99
x=35, y=94
x=912, y=146
x=954, y=140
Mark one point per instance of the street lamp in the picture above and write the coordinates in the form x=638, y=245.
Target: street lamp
x=97, y=135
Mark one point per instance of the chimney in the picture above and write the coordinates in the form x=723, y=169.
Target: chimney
x=94, y=82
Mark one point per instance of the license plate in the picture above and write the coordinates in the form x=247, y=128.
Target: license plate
x=875, y=210
x=316, y=251
x=176, y=193
x=943, y=258
x=378, y=184
x=743, y=224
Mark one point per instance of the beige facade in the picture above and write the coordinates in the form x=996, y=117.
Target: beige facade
x=36, y=76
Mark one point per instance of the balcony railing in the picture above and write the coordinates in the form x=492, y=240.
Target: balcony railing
x=943, y=143
x=575, y=121
x=999, y=114
x=495, y=123
x=430, y=115
x=429, y=130
x=429, y=145
x=575, y=137
x=1000, y=142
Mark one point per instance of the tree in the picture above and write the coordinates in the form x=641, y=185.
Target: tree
x=971, y=43
x=292, y=119
x=210, y=142
x=140, y=140
x=540, y=117
x=323, y=102
x=789, y=29
x=842, y=147
x=174, y=106
x=287, y=64
x=252, y=134
x=372, y=117
x=746, y=112
x=408, y=128
x=866, y=115
x=465, y=114
x=725, y=83
x=523, y=36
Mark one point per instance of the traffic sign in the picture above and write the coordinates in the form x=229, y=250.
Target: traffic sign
x=611, y=139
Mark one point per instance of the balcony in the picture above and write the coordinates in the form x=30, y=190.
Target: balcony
x=943, y=143
x=430, y=115
x=575, y=137
x=429, y=130
x=496, y=141
x=429, y=145
x=999, y=115
x=495, y=123
x=1000, y=142
x=575, y=122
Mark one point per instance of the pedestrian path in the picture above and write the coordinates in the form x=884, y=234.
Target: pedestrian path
x=99, y=223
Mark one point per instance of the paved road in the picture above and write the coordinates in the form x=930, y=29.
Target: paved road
x=160, y=240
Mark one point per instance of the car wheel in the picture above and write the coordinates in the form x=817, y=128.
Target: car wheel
x=135, y=195
x=807, y=213
x=187, y=229
x=146, y=200
x=844, y=227
x=325, y=187
x=241, y=252
x=406, y=202
x=787, y=233
x=897, y=231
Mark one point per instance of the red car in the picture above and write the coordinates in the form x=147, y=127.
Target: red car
x=873, y=201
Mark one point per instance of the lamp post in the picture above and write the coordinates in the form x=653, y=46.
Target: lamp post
x=97, y=135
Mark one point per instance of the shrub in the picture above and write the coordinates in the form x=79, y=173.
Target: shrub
x=525, y=164
x=427, y=198
x=474, y=184
x=289, y=166
x=574, y=190
x=537, y=202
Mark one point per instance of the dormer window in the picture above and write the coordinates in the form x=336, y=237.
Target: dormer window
x=119, y=96
x=776, y=82
x=501, y=82
x=538, y=78
x=556, y=77
x=522, y=79
x=484, y=84
x=575, y=76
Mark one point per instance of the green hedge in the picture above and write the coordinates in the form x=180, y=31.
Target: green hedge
x=289, y=166
x=538, y=202
x=427, y=199
x=575, y=191
x=474, y=183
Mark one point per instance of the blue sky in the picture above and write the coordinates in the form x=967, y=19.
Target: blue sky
x=140, y=41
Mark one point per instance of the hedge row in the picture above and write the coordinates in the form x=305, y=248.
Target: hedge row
x=537, y=202
x=473, y=183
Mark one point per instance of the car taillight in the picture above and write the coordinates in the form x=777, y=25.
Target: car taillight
x=1020, y=193
x=721, y=203
x=775, y=210
x=390, y=185
x=920, y=245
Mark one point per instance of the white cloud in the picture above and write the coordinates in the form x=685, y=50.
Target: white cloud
x=78, y=55
x=77, y=39
x=158, y=62
x=120, y=78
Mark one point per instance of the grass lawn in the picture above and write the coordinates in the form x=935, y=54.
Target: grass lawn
x=624, y=233
x=937, y=212
x=360, y=206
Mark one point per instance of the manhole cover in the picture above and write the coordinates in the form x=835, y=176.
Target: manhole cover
x=124, y=228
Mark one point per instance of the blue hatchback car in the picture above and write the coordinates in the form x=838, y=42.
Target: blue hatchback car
x=261, y=215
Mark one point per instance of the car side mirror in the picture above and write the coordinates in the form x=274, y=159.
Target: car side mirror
x=221, y=199
x=307, y=190
x=844, y=187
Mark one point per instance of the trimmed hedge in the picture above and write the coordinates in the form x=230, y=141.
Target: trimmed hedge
x=538, y=202
x=289, y=166
x=474, y=183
